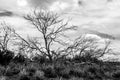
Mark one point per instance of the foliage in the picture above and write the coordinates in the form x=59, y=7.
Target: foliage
x=6, y=57
x=58, y=71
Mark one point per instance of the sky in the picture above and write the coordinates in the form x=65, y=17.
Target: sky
x=99, y=17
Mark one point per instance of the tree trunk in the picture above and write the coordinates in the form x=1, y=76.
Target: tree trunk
x=47, y=48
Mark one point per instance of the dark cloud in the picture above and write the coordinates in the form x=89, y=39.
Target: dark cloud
x=6, y=13
x=103, y=35
x=40, y=3
x=109, y=0
x=80, y=2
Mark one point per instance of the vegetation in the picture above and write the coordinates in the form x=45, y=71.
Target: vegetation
x=69, y=69
x=77, y=61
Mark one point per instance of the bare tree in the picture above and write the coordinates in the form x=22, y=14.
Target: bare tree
x=24, y=46
x=6, y=35
x=9, y=38
x=85, y=46
x=51, y=26
x=100, y=52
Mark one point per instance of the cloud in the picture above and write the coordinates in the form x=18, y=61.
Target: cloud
x=58, y=6
x=8, y=4
x=102, y=35
x=40, y=3
x=97, y=14
x=6, y=13
x=53, y=5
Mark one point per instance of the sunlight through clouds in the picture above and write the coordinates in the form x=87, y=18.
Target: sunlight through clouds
x=22, y=3
x=58, y=6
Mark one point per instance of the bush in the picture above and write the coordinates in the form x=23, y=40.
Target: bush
x=50, y=72
x=6, y=57
x=95, y=71
x=12, y=71
x=116, y=74
x=39, y=73
x=64, y=73
x=19, y=59
x=40, y=60
x=24, y=77
x=36, y=78
x=3, y=78
x=79, y=59
x=31, y=71
x=2, y=70
x=77, y=73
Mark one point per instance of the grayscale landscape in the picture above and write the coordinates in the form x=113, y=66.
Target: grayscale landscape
x=59, y=39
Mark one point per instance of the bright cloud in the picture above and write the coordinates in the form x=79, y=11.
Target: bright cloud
x=58, y=6
x=22, y=3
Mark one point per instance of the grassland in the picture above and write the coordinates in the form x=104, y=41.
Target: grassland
x=77, y=68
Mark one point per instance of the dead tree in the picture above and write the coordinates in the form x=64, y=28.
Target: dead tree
x=6, y=35
x=51, y=26
x=84, y=46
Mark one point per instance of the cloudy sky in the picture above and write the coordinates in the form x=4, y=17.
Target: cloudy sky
x=100, y=17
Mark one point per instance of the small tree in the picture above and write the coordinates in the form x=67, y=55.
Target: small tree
x=88, y=47
x=6, y=35
x=51, y=27
x=24, y=46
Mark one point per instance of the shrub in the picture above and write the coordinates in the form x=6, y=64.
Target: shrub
x=79, y=59
x=6, y=57
x=24, y=77
x=3, y=78
x=116, y=74
x=94, y=71
x=31, y=71
x=19, y=59
x=12, y=71
x=36, y=78
x=39, y=73
x=40, y=60
x=2, y=70
x=23, y=72
x=64, y=73
x=50, y=72
x=77, y=73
